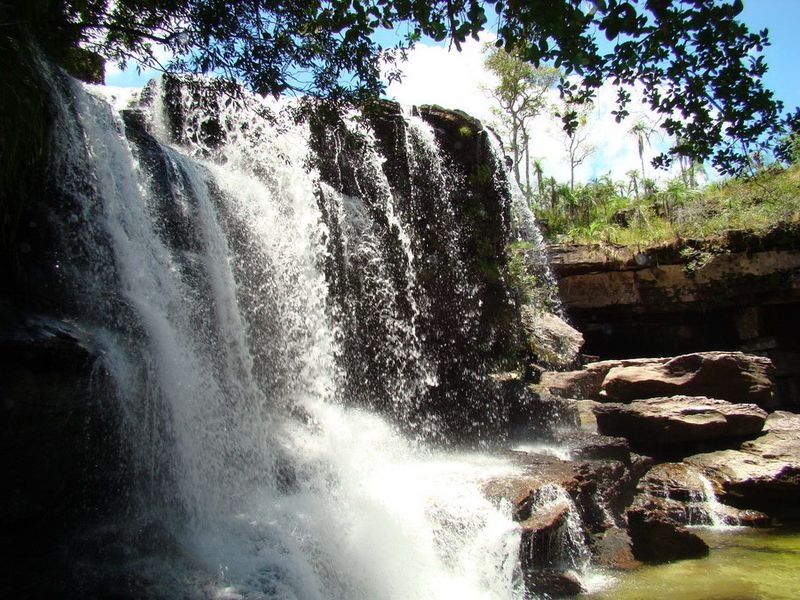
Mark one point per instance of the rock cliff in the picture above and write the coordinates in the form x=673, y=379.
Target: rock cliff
x=739, y=292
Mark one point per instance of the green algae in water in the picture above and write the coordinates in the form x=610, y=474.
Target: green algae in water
x=744, y=564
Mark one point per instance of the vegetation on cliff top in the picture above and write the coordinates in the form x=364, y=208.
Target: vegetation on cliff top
x=694, y=62
x=606, y=211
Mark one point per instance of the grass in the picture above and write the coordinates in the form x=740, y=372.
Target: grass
x=753, y=203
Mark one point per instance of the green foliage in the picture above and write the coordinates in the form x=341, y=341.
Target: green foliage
x=788, y=149
x=521, y=86
x=481, y=174
x=528, y=287
x=520, y=95
x=697, y=258
x=694, y=59
x=598, y=212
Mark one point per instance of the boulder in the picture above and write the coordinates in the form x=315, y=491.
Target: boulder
x=612, y=549
x=599, y=489
x=764, y=474
x=785, y=421
x=552, y=583
x=549, y=549
x=731, y=376
x=550, y=339
x=584, y=445
x=542, y=532
x=586, y=383
x=657, y=537
x=673, y=424
x=684, y=493
x=580, y=384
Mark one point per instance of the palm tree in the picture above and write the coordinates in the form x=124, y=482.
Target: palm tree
x=538, y=170
x=634, y=185
x=642, y=131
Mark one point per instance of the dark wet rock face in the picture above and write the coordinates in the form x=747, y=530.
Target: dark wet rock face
x=584, y=445
x=456, y=205
x=565, y=509
x=658, y=538
x=552, y=583
x=58, y=433
x=61, y=461
x=669, y=497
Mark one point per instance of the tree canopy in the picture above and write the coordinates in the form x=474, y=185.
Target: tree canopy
x=693, y=60
x=521, y=94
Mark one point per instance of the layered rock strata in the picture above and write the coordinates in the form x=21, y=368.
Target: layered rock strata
x=717, y=457
x=739, y=292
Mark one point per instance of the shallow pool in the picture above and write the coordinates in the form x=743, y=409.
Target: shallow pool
x=744, y=564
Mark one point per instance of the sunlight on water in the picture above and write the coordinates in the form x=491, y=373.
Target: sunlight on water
x=205, y=269
x=743, y=565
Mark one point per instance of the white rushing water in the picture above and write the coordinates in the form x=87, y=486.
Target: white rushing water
x=201, y=276
x=715, y=510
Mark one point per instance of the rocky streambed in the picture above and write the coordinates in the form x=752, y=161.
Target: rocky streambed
x=656, y=448
x=685, y=417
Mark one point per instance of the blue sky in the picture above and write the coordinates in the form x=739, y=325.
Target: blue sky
x=782, y=19
x=454, y=80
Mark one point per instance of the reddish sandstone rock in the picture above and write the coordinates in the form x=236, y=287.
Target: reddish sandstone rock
x=682, y=491
x=764, y=473
x=551, y=339
x=731, y=376
x=672, y=423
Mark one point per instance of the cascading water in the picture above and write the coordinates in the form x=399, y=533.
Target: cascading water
x=564, y=545
x=714, y=509
x=247, y=311
x=375, y=279
x=528, y=237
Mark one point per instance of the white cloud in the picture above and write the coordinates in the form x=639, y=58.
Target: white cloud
x=452, y=79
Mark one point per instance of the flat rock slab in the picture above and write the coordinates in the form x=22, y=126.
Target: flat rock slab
x=764, y=473
x=673, y=421
x=731, y=376
x=584, y=445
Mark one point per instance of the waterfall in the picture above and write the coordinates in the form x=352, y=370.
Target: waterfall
x=564, y=545
x=236, y=288
x=528, y=240
x=715, y=511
